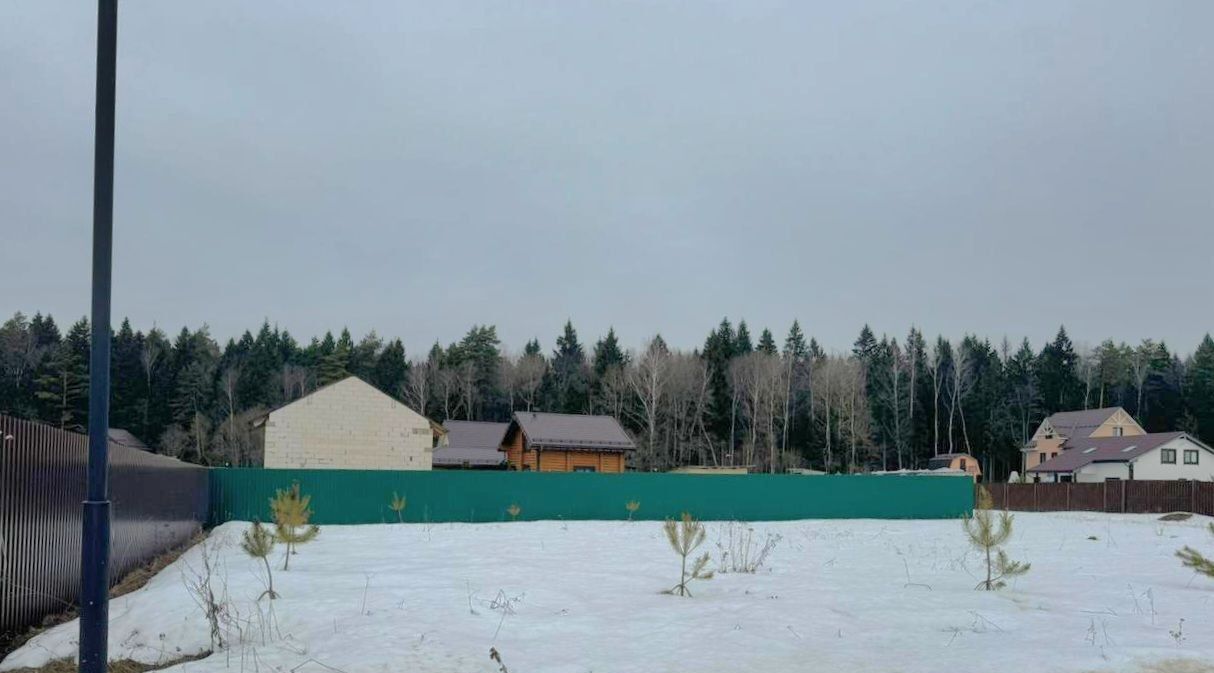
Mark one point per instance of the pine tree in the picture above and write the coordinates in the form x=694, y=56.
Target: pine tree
x=1199, y=390
x=1191, y=558
x=398, y=505
x=291, y=512
x=685, y=536
x=988, y=534
x=258, y=543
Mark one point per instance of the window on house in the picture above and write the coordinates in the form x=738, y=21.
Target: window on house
x=1054, y=454
x=1167, y=456
x=1190, y=456
x=962, y=463
x=584, y=468
x=1118, y=431
x=1066, y=478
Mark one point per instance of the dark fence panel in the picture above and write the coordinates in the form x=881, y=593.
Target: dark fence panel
x=158, y=503
x=363, y=496
x=1130, y=497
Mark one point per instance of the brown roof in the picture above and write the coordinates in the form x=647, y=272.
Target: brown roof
x=571, y=431
x=1079, y=423
x=472, y=443
x=1080, y=451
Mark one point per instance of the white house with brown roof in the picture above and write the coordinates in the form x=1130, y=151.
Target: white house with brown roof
x=1152, y=456
x=349, y=424
x=1047, y=442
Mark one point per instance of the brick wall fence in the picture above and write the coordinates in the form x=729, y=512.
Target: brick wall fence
x=1127, y=497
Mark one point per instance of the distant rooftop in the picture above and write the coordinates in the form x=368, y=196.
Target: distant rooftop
x=1079, y=423
x=1081, y=451
x=471, y=443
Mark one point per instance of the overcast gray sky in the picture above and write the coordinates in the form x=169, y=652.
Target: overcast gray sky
x=418, y=167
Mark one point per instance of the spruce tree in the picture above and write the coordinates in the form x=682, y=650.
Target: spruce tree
x=392, y=370
x=865, y=344
x=1199, y=390
x=742, y=344
x=126, y=379
x=1057, y=379
x=608, y=354
x=334, y=361
x=767, y=343
x=570, y=375
x=62, y=383
x=718, y=352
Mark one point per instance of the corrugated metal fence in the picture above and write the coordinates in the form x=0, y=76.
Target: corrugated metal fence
x=1127, y=497
x=158, y=503
x=363, y=496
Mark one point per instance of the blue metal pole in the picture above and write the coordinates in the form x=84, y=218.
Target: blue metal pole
x=95, y=548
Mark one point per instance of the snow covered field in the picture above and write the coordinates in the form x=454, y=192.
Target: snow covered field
x=837, y=596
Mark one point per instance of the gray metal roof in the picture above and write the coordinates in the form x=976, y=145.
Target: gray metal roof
x=1079, y=423
x=1080, y=451
x=572, y=431
x=471, y=443
x=454, y=456
x=475, y=434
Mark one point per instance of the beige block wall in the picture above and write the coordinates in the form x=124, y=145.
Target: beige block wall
x=348, y=425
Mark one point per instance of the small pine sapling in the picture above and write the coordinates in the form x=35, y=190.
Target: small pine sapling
x=514, y=510
x=291, y=514
x=632, y=506
x=258, y=542
x=1191, y=558
x=398, y=505
x=988, y=533
x=685, y=536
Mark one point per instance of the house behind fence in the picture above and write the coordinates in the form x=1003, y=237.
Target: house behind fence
x=158, y=503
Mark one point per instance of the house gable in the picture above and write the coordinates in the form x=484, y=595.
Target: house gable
x=349, y=424
x=1150, y=465
x=1087, y=423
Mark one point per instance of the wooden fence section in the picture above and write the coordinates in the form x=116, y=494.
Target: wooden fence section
x=1125, y=497
x=158, y=503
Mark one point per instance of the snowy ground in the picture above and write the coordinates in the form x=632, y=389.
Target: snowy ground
x=839, y=596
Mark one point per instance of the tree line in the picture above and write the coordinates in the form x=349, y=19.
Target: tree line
x=885, y=404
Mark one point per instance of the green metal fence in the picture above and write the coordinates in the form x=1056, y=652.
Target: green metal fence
x=364, y=496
